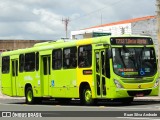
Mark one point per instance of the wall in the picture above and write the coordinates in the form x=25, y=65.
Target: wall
x=146, y=27
x=17, y=44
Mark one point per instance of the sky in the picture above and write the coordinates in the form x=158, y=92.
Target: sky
x=42, y=19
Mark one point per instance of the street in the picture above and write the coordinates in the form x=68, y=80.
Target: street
x=115, y=111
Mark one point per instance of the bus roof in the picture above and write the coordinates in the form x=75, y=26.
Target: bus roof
x=64, y=43
x=55, y=45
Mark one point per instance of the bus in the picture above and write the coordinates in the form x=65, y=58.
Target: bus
x=93, y=69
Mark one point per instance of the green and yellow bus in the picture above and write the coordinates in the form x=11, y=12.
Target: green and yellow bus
x=101, y=68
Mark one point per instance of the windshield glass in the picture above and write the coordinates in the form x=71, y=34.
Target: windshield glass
x=134, y=62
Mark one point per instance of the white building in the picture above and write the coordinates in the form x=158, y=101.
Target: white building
x=142, y=26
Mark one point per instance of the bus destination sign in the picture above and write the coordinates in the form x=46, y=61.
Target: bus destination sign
x=131, y=41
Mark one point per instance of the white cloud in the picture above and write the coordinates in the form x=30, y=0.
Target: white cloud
x=48, y=17
x=11, y=11
x=37, y=28
x=41, y=19
x=48, y=23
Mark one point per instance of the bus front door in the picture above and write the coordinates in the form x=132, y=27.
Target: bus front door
x=46, y=74
x=14, y=76
x=100, y=79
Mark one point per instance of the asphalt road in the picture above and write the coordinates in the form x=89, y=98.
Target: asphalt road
x=115, y=110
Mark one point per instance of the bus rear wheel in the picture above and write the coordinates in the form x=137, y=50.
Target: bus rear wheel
x=86, y=97
x=29, y=96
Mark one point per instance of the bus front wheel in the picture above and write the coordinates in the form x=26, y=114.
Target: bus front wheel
x=86, y=96
x=29, y=96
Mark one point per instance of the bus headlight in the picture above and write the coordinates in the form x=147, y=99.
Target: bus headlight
x=156, y=83
x=118, y=84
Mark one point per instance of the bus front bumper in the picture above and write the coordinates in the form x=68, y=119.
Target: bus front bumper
x=123, y=93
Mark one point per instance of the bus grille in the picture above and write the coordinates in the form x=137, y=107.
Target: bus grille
x=137, y=80
x=134, y=93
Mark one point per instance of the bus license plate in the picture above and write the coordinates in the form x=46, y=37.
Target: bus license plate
x=139, y=95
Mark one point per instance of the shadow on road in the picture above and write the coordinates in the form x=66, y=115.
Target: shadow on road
x=77, y=103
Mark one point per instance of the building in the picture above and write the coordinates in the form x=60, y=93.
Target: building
x=7, y=45
x=142, y=26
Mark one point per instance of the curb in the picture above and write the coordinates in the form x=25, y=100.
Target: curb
x=8, y=97
x=157, y=98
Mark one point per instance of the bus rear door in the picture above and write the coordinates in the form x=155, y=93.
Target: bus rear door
x=14, y=76
x=46, y=62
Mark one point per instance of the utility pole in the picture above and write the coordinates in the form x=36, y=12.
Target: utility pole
x=158, y=29
x=66, y=21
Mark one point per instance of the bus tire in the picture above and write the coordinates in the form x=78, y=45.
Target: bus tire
x=86, y=97
x=29, y=96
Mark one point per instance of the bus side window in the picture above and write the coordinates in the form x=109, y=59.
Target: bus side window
x=5, y=64
x=70, y=57
x=29, y=62
x=21, y=62
x=85, y=56
x=37, y=61
x=57, y=59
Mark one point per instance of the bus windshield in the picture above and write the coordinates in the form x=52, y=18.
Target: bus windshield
x=134, y=62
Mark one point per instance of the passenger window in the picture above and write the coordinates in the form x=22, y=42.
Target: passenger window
x=85, y=56
x=70, y=57
x=21, y=62
x=57, y=59
x=5, y=64
x=37, y=61
x=29, y=62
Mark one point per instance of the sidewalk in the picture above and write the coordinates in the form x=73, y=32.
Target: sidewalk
x=149, y=98
x=8, y=97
